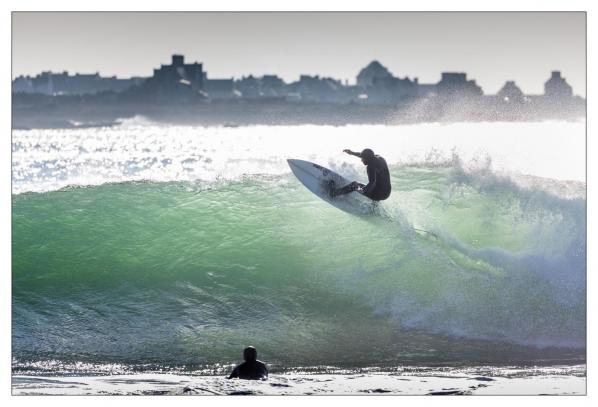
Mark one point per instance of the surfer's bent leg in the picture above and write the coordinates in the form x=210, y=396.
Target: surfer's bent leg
x=346, y=189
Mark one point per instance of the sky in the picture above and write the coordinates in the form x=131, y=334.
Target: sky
x=490, y=47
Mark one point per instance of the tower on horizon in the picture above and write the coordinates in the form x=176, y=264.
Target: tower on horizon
x=557, y=87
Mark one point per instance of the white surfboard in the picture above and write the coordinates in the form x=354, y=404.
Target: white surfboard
x=317, y=179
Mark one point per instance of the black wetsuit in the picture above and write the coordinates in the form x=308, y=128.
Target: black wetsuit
x=251, y=370
x=378, y=187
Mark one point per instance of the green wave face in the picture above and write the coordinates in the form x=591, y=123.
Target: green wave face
x=191, y=273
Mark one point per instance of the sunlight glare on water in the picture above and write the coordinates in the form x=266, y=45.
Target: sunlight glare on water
x=45, y=160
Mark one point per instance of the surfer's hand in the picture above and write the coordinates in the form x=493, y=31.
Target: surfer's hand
x=346, y=150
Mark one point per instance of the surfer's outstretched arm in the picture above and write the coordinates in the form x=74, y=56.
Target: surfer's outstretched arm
x=356, y=154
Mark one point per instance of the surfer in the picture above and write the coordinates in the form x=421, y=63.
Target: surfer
x=251, y=369
x=378, y=187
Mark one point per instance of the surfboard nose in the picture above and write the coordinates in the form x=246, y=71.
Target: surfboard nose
x=297, y=162
x=292, y=165
x=293, y=162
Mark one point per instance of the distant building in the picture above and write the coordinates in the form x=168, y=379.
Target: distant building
x=249, y=86
x=316, y=89
x=391, y=90
x=374, y=71
x=273, y=86
x=379, y=86
x=557, y=87
x=455, y=85
x=426, y=90
x=50, y=83
x=510, y=93
x=178, y=81
x=268, y=86
x=221, y=89
x=22, y=84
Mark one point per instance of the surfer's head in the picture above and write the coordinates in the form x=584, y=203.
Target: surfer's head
x=249, y=354
x=366, y=156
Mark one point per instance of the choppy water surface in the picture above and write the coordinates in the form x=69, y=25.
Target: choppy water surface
x=149, y=245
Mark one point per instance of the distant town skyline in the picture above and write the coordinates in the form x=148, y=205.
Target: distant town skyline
x=491, y=47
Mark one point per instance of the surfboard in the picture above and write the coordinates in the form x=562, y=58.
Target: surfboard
x=317, y=179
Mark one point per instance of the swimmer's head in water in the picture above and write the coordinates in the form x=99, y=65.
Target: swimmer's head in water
x=366, y=156
x=249, y=354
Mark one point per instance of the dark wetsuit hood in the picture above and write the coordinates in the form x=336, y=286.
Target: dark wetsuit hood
x=251, y=369
x=249, y=354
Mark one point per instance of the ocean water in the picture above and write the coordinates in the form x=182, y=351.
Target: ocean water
x=153, y=247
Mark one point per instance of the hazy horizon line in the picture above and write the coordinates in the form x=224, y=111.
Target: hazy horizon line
x=342, y=80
